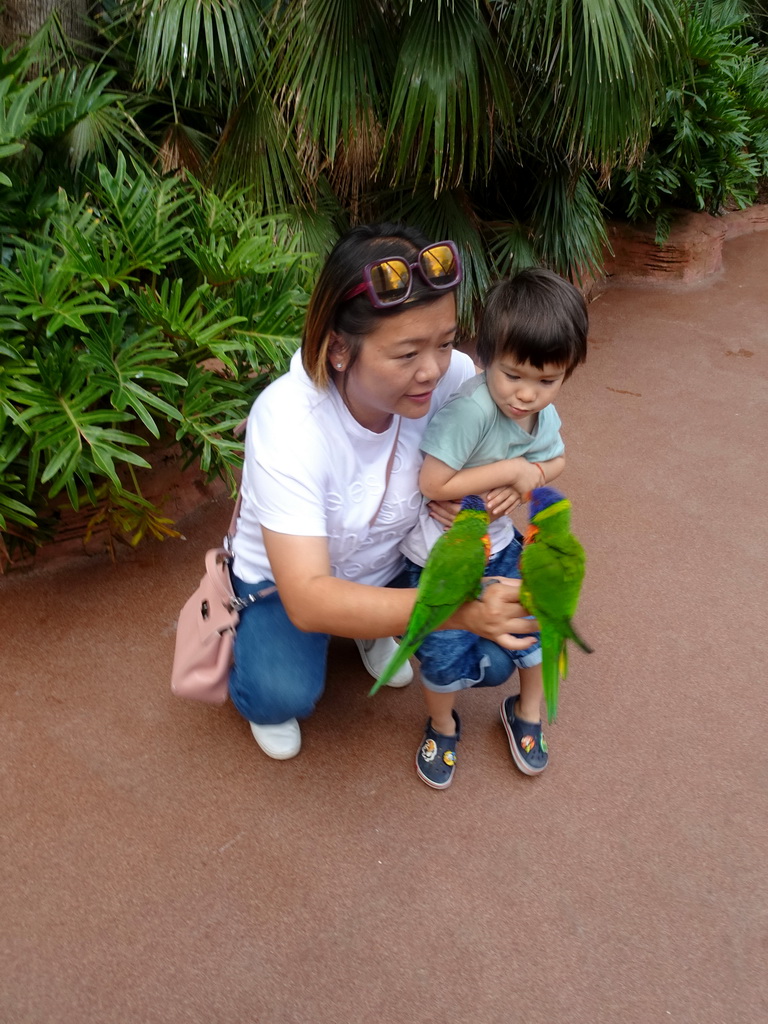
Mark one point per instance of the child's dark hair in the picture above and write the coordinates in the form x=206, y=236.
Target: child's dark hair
x=537, y=317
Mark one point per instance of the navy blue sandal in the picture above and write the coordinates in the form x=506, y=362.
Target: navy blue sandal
x=436, y=756
x=526, y=740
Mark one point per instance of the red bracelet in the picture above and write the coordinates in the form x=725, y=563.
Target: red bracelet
x=543, y=475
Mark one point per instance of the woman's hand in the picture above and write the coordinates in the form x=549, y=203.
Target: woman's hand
x=501, y=501
x=505, y=499
x=444, y=512
x=497, y=614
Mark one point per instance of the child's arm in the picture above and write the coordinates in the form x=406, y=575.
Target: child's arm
x=439, y=482
x=502, y=500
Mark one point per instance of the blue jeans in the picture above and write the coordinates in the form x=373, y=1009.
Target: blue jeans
x=279, y=670
x=453, y=659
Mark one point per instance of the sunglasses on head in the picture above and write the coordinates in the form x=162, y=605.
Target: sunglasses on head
x=389, y=281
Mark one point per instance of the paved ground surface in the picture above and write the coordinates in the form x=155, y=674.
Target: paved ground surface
x=156, y=867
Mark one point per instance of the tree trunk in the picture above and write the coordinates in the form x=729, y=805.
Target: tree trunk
x=22, y=18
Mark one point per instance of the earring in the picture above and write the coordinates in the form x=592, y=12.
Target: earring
x=339, y=366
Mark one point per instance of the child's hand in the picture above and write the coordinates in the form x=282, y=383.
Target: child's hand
x=501, y=501
x=525, y=477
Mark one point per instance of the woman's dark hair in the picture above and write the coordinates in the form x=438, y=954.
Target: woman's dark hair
x=354, y=318
x=537, y=317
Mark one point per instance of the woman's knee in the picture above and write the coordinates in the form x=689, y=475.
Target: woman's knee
x=279, y=671
x=275, y=698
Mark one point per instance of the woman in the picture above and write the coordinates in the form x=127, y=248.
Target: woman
x=330, y=483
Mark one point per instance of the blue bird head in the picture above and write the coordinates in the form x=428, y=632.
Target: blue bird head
x=472, y=501
x=543, y=497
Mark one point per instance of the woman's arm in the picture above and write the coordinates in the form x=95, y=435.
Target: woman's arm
x=320, y=603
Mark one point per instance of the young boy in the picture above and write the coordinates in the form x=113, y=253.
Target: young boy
x=498, y=436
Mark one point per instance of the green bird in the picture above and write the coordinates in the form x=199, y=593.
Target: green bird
x=552, y=571
x=452, y=576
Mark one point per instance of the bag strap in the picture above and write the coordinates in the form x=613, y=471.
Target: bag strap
x=239, y=429
x=233, y=521
x=217, y=560
x=390, y=463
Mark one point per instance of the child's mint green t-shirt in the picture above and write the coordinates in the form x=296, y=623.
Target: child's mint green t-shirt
x=469, y=431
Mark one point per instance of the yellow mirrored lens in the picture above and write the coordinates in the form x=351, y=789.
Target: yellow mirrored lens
x=438, y=264
x=390, y=278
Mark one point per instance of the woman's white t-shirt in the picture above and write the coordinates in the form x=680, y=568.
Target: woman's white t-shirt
x=311, y=470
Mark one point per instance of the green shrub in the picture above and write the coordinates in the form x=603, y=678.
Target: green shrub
x=133, y=308
x=709, y=146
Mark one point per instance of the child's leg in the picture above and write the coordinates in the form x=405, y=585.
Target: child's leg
x=531, y=691
x=452, y=660
x=521, y=718
x=436, y=756
x=440, y=710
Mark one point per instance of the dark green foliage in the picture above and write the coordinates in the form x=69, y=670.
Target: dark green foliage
x=156, y=203
x=133, y=308
x=448, y=111
x=709, y=144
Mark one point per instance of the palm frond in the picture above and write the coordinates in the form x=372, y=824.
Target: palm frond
x=332, y=66
x=256, y=150
x=511, y=247
x=318, y=225
x=183, y=150
x=80, y=121
x=18, y=117
x=48, y=49
x=450, y=85
x=213, y=48
x=567, y=223
x=594, y=70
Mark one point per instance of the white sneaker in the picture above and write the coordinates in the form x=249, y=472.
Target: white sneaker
x=279, y=741
x=376, y=655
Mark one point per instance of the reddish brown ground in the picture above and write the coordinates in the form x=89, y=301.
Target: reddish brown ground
x=157, y=868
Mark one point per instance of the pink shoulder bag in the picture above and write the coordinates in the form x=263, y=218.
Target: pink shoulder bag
x=205, y=633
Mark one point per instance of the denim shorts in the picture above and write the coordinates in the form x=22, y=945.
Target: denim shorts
x=453, y=659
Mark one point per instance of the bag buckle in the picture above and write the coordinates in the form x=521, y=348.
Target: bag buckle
x=238, y=603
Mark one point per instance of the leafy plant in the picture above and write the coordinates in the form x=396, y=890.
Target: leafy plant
x=158, y=204
x=494, y=118
x=709, y=145
x=144, y=310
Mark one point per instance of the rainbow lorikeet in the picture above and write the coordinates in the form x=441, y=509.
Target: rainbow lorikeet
x=452, y=576
x=552, y=571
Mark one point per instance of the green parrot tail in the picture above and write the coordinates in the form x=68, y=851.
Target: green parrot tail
x=578, y=640
x=553, y=660
x=398, y=659
x=551, y=698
